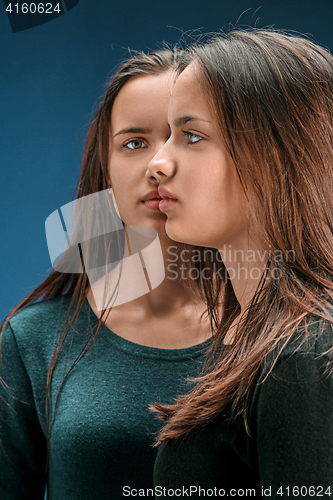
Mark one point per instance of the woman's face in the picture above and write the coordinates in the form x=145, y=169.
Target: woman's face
x=139, y=128
x=209, y=207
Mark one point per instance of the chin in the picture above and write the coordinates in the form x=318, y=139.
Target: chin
x=178, y=235
x=182, y=235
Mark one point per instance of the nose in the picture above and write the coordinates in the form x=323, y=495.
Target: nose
x=161, y=166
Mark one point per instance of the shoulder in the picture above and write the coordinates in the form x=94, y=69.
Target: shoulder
x=35, y=328
x=38, y=311
x=305, y=359
x=297, y=376
x=313, y=337
x=40, y=316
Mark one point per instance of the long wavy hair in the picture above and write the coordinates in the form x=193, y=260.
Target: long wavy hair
x=94, y=177
x=273, y=96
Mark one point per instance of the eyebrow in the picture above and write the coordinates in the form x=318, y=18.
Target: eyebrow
x=185, y=119
x=134, y=131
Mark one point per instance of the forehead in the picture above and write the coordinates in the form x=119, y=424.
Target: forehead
x=189, y=93
x=141, y=97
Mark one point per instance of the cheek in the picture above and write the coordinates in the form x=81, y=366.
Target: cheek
x=126, y=172
x=114, y=171
x=119, y=178
x=217, y=206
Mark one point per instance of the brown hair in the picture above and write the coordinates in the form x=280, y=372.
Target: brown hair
x=94, y=177
x=273, y=95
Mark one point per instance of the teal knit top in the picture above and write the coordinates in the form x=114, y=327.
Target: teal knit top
x=102, y=433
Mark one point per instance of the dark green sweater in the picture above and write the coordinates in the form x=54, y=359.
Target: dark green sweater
x=291, y=443
x=102, y=432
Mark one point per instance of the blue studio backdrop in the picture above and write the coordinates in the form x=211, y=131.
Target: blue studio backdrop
x=53, y=73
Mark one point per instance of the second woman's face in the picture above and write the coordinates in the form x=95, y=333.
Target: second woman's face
x=209, y=207
x=139, y=128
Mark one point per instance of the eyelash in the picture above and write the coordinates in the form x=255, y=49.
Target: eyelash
x=134, y=140
x=186, y=133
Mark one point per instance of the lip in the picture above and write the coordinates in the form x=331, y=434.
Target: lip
x=164, y=193
x=152, y=200
x=168, y=199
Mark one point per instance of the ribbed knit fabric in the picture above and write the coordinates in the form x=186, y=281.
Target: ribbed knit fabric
x=290, y=451
x=103, y=430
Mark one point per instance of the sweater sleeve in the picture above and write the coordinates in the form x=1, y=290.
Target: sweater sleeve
x=295, y=428
x=22, y=441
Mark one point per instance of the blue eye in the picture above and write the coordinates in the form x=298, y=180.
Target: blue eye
x=135, y=144
x=192, y=138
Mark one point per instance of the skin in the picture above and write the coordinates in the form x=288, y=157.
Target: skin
x=169, y=316
x=211, y=208
x=142, y=104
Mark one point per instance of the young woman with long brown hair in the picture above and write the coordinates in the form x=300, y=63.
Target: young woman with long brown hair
x=248, y=170
x=77, y=379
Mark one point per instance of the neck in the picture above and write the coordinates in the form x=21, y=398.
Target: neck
x=170, y=316
x=245, y=263
x=147, y=279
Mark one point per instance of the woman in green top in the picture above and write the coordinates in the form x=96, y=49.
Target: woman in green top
x=77, y=379
x=248, y=170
